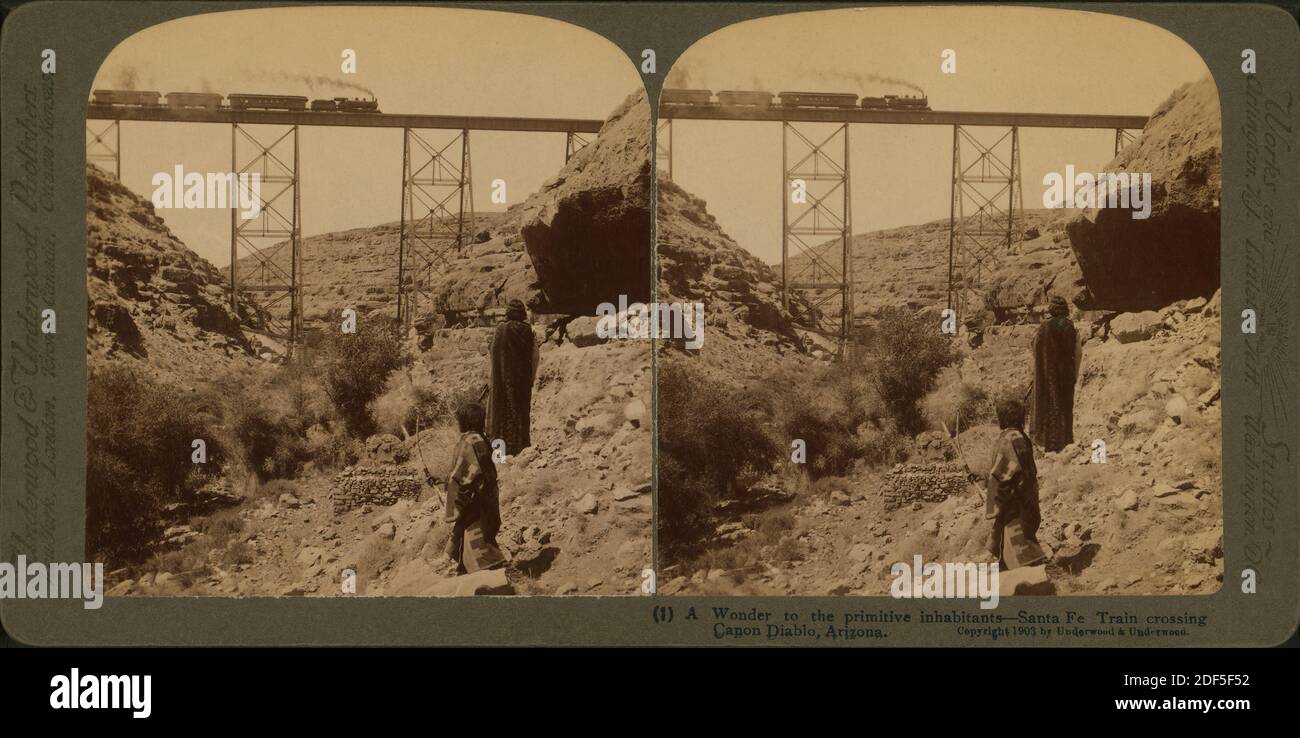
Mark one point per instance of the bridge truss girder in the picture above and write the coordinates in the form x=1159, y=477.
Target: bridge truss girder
x=664, y=147
x=1123, y=138
x=980, y=228
x=573, y=143
x=273, y=238
x=824, y=276
x=105, y=145
x=437, y=214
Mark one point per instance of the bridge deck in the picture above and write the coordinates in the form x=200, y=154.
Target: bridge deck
x=351, y=120
x=902, y=117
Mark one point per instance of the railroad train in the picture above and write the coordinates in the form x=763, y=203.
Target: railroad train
x=895, y=102
x=345, y=105
x=759, y=99
x=235, y=101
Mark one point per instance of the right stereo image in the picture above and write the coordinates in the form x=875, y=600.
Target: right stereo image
x=952, y=298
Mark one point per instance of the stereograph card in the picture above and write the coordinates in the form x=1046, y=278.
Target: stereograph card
x=564, y=324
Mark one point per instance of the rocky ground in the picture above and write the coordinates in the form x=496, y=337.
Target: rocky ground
x=576, y=505
x=1146, y=521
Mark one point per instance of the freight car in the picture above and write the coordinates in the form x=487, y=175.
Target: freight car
x=686, y=97
x=745, y=98
x=242, y=101
x=203, y=100
x=818, y=99
x=136, y=98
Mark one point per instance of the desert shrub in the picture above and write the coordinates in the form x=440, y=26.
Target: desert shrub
x=957, y=404
x=712, y=443
x=839, y=415
x=882, y=444
x=331, y=447
x=138, y=457
x=355, y=368
x=187, y=560
x=267, y=440
x=905, y=352
x=220, y=527
x=238, y=553
x=266, y=415
x=412, y=402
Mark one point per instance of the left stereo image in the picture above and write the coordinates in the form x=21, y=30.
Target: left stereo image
x=346, y=299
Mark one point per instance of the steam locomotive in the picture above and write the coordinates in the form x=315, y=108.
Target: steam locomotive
x=758, y=99
x=236, y=101
x=345, y=105
x=895, y=102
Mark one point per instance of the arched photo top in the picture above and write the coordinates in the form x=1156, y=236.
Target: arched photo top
x=412, y=60
x=961, y=58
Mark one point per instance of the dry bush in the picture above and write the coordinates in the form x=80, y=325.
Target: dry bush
x=905, y=352
x=220, y=527
x=413, y=402
x=139, y=432
x=355, y=369
x=841, y=418
x=238, y=553
x=712, y=444
x=957, y=404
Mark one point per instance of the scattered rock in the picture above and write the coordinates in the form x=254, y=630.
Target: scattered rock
x=1127, y=501
x=1134, y=327
x=587, y=505
x=635, y=411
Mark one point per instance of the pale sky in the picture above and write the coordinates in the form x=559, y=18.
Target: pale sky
x=1008, y=59
x=415, y=60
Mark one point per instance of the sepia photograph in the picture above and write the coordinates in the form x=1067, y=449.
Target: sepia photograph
x=961, y=275
x=343, y=295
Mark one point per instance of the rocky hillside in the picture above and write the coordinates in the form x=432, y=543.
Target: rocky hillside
x=357, y=268
x=747, y=330
x=1174, y=254
x=585, y=230
x=908, y=266
x=150, y=298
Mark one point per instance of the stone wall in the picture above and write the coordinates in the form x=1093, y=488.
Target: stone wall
x=360, y=485
x=906, y=484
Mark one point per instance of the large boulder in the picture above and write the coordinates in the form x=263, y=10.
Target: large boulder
x=1138, y=264
x=587, y=231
